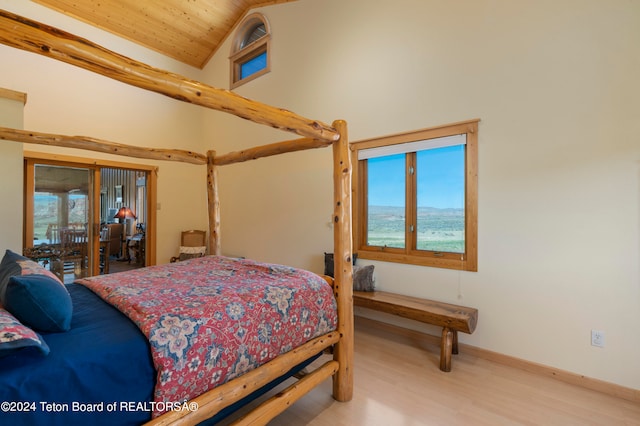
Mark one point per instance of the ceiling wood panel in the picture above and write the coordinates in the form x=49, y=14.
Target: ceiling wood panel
x=187, y=30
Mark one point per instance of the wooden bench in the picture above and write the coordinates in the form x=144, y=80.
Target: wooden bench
x=452, y=318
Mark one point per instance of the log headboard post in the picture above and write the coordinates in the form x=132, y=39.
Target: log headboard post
x=214, y=205
x=343, y=265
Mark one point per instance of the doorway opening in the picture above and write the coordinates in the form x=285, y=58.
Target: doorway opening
x=83, y=218
x=123, y=218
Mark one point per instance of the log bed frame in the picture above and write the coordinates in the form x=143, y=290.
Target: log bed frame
x=32, y=36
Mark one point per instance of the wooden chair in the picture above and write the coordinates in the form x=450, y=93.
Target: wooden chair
x=73, y=251
x=193, y=243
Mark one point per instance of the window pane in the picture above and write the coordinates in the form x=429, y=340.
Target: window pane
x=256, y=33
x=45, y=213
x=253, y=65
x=386, y=201
x=60, y=201
x=440, y=182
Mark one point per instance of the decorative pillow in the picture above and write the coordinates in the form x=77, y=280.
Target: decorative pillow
x=363, y=278
x=39, y=302
x=15, y=336
x=14, y=264
x=191, y=252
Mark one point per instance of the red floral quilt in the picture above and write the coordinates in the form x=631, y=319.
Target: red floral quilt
x=213, y=318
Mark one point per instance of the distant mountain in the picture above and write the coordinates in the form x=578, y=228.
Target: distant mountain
x=428, y=211
x=437, y=229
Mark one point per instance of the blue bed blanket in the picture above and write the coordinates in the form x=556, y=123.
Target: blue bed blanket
x=100, y=372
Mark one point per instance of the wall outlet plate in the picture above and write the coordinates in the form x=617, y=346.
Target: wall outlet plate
x=597, y=338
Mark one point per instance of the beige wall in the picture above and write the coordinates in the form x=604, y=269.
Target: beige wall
x=68, y=100
x=11, y=111
x=555, y=85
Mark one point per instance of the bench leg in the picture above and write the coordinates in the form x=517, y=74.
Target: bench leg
x=454, y=347
x=446, y=346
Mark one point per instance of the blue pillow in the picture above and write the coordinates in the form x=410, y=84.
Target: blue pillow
x=14, y=264
x=39, y=302
x=17, y=337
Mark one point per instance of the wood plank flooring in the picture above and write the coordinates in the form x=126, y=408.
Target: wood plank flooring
x=397, y=382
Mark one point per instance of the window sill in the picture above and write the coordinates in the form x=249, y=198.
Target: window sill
x=422, y=260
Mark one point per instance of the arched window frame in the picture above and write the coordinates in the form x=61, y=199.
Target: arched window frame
x=241, y=55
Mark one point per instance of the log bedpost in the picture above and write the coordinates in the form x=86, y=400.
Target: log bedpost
x=213, y=204
x=343, y=264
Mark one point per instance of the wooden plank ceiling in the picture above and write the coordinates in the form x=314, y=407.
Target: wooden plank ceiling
x=187, y=30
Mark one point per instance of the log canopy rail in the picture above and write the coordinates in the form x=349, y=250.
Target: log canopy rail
x=97, y=145
x=269, y=150
x=36, y=37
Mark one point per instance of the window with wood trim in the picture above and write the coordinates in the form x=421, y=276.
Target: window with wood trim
x=416, y=197
x=250, y=56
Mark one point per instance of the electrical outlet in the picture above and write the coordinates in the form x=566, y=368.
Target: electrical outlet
x=597, y=338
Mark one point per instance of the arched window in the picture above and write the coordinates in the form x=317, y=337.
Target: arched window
x=250, y=52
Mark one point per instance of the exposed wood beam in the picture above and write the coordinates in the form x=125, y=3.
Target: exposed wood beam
x=36, y=37
x=97, y=145
x=189, y=31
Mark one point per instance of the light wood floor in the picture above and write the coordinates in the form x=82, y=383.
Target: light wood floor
x=397, y=382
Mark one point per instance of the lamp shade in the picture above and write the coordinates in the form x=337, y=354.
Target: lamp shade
x=125, y=213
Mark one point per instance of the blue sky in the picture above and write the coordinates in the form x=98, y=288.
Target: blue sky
x=442, y=168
